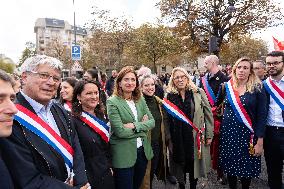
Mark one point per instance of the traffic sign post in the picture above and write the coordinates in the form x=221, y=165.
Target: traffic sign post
x=76, y=52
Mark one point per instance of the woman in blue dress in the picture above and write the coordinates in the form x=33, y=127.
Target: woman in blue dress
x=237, y=157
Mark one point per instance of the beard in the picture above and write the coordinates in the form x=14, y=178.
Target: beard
x=275, y=72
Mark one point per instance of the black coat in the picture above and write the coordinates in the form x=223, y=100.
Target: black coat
x=181, y=133
x=35, y=164
x=215, y=81
x=96, y=155
x=5, y=178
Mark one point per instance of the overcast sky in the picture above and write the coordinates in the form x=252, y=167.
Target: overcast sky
x=17, y=18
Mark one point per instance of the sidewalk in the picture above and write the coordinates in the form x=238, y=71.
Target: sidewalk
x=211, y=182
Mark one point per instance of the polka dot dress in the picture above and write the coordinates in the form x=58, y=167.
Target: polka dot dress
x=234, y=158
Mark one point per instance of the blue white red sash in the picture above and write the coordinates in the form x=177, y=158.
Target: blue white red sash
x=35, y=124
x=97, y=125
x=174, y=111
x=275, y=92
x=208, y=90
x=239, y=109
x=68, y=106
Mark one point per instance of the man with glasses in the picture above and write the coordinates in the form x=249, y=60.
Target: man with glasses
x=259, y=69
x=43, y=150
x=274, y=135
x=7, y=111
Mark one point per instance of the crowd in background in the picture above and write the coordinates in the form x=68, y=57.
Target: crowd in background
x=122, y=131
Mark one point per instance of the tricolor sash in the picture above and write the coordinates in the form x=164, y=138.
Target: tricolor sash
x=174, y=111
x=239, y=109
x=208, y=90
x=35, y=124
x=275, y=92
x=68, y=106
x=97, y=125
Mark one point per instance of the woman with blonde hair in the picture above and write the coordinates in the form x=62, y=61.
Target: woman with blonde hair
x=190, y=141
x=243, y=124
x=130, y=121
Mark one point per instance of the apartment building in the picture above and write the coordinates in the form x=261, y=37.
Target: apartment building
x=50, y=29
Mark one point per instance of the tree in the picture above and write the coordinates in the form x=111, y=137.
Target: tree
x=7, y=64
x=152, y=43
x=29, y=51
x=112, y=34
x=243, y=46
x=57, y=49
x=200, y=20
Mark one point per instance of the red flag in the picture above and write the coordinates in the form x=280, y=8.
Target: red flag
x=278, y=45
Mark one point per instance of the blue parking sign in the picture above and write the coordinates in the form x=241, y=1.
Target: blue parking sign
x=76, y=52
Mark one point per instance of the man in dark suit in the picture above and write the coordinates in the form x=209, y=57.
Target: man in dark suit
x=7, y=111
x=214, y=78
x=33, y=160
x=274, y=134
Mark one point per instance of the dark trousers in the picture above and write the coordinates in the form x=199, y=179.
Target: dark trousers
x=131, y=178
x=274, y=155
x=155, y=160
x=233, y=182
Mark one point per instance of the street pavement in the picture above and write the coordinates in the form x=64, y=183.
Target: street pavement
x=211, y=182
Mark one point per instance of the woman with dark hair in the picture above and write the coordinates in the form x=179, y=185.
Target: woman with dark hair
x=91, y=75
x=66, y=92
x=93, y=133
x=130, y=121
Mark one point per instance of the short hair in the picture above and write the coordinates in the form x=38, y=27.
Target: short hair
x=260, y=61
x=143, y=77
x=94, y=73
x=212, y=58
x=276, y=54
x=4, y=76
x=144, y=71
x=136, y=94
x=30, y=64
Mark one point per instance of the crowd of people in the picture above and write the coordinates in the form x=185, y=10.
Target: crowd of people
x=121, y=132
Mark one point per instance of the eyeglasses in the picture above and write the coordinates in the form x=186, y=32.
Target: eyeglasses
x=183, y=77
x=273, y=63
x=46, y=76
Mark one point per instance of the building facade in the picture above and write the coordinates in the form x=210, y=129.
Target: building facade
x=48, y=30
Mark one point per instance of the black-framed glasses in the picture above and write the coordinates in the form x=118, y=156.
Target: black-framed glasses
x=46, y=76
x=273, y=63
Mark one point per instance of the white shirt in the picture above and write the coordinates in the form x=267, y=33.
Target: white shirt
x=132, y=106
x=274, y=117
x=43, y=112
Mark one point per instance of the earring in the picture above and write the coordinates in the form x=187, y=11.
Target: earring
x=79, y=101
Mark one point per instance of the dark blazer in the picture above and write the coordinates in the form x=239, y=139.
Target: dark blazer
x=35, y=164
x=5, y=178
x=215, y=81
x=97, y=156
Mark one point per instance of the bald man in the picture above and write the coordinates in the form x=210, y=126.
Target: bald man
x=211, y=83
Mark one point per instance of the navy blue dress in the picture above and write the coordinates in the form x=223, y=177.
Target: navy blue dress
x=235, y=159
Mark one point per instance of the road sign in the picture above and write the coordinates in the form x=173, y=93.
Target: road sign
x=76, y=52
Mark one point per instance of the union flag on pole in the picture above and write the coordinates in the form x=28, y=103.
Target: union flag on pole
x=278, y=45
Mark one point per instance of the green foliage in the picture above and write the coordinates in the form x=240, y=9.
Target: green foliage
x=198, y=20
x=153, y=43
x=240, y=47
x=7, y=66
x=27, y=52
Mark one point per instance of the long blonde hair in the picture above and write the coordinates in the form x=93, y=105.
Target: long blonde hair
x=189, y=85
x=253, y=81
